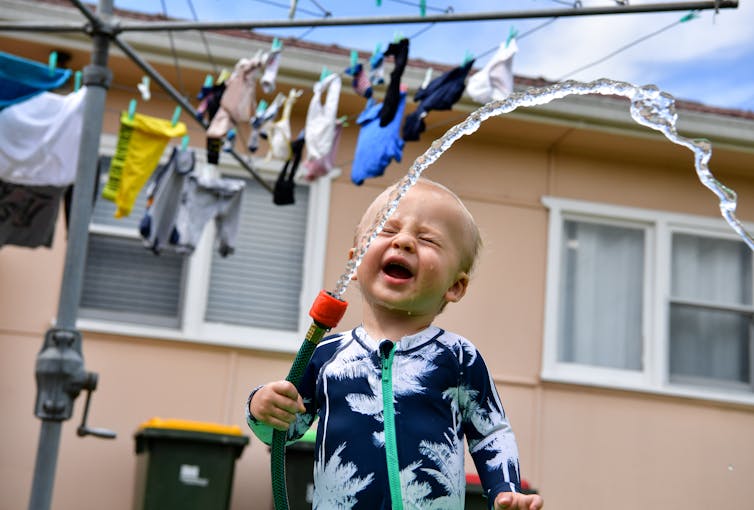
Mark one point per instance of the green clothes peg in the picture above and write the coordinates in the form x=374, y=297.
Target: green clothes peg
x=52, y=62
x=176, y=116
x=131, y=109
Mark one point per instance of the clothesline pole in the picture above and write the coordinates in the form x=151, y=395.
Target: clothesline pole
x=178, y=98
x=60, y=369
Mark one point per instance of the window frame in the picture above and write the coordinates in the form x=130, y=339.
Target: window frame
x=659, y=228
x=192, y=326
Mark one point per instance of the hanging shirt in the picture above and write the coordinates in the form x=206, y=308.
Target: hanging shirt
x=28, y=214
x=441, y=94
x=279, y=132
x=442, y=393
x=205, y=199
x=494, y=82
x=321, y=118
x=22, y=79
x=157, y=227
x=376, y=146
x=41, y=138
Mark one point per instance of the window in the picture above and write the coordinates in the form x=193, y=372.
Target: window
x=648, y=300
x=256, y=297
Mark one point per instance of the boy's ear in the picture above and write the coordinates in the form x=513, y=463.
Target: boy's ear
x=458, y=289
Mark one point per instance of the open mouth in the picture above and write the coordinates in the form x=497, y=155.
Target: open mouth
x=397, y=271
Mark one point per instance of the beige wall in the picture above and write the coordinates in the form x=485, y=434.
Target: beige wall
x=584, y=448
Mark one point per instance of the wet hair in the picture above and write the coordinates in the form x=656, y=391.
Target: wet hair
x=474, y=244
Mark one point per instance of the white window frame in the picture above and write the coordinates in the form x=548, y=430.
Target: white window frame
x=659, y=227
x=194, y=298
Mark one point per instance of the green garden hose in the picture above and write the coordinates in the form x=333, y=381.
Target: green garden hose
x=326, y=312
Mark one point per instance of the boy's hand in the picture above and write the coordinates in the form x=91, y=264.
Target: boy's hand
x=518, y=501
x=276, y=404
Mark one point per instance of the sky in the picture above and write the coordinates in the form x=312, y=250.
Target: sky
x=708, y=59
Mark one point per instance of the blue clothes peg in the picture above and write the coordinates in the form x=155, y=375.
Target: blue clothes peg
x=422, y=8
x=184, y=142
x=176, y=116
x=131, y=109
x=77, y=81
x=512, y=34
x=354, y=58
x=52, y=62
x=468, y=57
x=277, y=45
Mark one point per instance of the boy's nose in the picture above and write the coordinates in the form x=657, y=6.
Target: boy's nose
x=403, y=241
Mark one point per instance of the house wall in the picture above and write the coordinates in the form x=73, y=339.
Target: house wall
x=582, y=447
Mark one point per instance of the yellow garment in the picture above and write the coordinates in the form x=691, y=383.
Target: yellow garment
x=148, y=141
x=110, y=190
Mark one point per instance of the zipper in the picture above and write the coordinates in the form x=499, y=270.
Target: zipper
x=388, y=414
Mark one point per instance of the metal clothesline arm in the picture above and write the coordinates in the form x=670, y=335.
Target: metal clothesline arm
x=435, y=18
x=155, y=26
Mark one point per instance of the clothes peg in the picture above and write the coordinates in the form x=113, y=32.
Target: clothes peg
x=397, y=36
x=176, y=116
x=427, y=78
x=208, y=81
x=468, y=57
x=422, y=8
x=343, y=120
x=184, y=142
x=52, y=62
x=277, y=45
x=324, y=74
x=143, y=87
x=688, y=17
x=512, y=34
x=77, y=81
x=261, y=107
x=224, y=75
x=354, y=58
x=379, y=3
x=131, y=109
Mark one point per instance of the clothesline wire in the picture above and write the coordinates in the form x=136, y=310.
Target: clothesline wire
x=521, y=36
x=325, y=12
x=449, y=9
x=287, y=7
x=204, y=38
x=177, y=64
x=623, y=48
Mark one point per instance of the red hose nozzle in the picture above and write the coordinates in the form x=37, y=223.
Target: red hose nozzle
x=327, y=310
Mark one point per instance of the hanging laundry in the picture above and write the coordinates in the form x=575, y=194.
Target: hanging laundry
x=316, y=168
x=279, y=132
x=141, y=142
x=270, y=71
x=22, y=79
x=494, y=82
x=441, y=94
x=376, y=146
x=399, y=51
x=41, y=139
x=376, y=67
x=157, y=227
x=204, y=199
x=237, y=104
x=261, y=119
x=209, y=97
x=360, y=83
x=282, y=193
x=28, y=214
x=321, y=120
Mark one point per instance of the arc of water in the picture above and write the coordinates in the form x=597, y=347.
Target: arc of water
x=650, y=107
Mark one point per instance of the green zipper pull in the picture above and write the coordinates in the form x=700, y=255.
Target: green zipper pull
x=387, y=351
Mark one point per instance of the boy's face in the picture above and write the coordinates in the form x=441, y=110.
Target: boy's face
x=415, y=265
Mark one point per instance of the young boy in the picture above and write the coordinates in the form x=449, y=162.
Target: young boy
x=396, y=396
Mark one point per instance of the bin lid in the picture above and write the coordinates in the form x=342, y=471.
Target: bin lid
x=191, y=426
